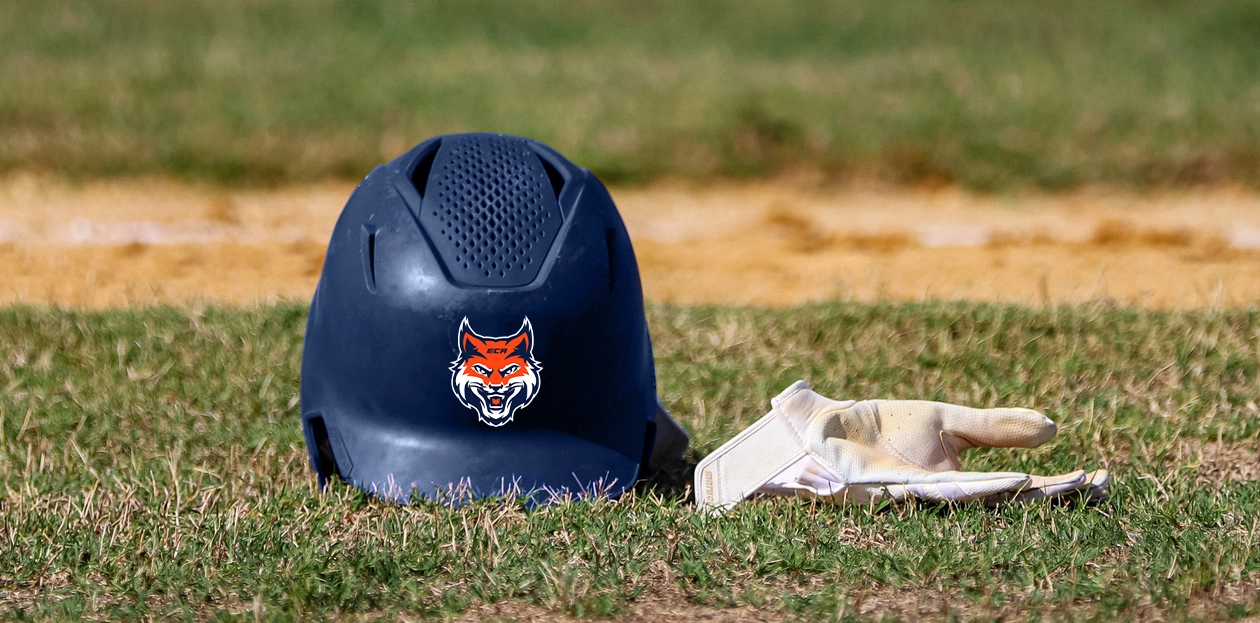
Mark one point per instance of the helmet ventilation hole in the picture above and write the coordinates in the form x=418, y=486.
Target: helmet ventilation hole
x=369, y=257
x=420, y=177
x=554, y=176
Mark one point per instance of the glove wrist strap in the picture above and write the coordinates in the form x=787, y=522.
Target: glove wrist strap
x=742, y=465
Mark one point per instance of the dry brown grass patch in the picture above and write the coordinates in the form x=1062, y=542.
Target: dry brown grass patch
x=1220, y=462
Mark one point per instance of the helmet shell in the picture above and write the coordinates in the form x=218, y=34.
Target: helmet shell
x=485, y=234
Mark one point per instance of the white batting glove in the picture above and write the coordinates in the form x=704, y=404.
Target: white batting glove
x=810, y=445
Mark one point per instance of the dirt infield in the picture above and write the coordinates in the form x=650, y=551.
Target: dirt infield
x=133, y=242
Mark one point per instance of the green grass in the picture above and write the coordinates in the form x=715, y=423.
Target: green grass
x=989, y=94
x=151, y=465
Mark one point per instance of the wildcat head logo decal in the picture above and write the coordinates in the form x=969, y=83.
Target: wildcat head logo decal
x=495, y=376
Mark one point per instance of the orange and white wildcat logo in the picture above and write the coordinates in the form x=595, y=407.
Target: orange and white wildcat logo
x=495, y=376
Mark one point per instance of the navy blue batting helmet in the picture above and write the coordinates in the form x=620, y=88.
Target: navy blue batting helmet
x=479, y=326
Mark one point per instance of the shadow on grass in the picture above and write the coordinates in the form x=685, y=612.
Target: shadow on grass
x=672, y=482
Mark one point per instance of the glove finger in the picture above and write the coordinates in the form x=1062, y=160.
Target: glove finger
x=1042, y=487
x=846, y=471
x=944, y=491
x=947, y=491
x=1092, y=484
x=1010, y=490
x=999, y=428
x=1051, y=486
x=898, y=483
x=948, y=486
x=1098, y=482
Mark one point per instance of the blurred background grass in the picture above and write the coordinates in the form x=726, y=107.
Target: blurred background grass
x=987, y=94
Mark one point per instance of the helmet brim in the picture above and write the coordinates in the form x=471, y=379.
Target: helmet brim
x=454, y=466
